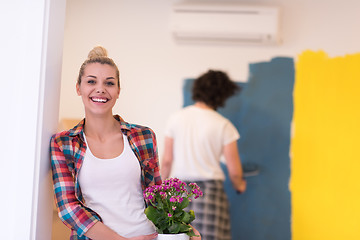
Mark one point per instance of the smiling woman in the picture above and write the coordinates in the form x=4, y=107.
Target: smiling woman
x=99, y=88
x=101, y=166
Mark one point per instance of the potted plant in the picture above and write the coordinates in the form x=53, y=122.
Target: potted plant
x=166, y=204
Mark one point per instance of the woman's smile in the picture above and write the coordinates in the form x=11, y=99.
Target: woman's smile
x=99, y=99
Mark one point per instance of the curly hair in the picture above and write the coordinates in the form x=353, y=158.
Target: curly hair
x=213, y=88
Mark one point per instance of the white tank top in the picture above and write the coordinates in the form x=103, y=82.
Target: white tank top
x=112, y=188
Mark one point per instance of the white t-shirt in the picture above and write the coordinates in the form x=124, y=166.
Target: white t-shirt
x=112, y=188
x=199, y=137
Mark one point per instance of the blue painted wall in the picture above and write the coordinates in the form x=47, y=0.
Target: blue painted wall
x=262, y=113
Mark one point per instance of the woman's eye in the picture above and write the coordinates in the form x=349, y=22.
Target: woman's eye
x=110, y=83
x=91, y=81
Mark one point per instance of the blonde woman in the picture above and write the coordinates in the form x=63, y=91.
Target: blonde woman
x=102, y=165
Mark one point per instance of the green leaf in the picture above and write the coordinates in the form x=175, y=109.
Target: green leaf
x=152, y=214
x=192, y=216
x=186, y=218
x=191, y=233
x=159, y=202
x=175, y=228
x=178, y=215
x=163, y=223
x=184, y=203
x=184, y=228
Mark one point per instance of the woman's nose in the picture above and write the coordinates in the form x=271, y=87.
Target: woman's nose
x=100, y=90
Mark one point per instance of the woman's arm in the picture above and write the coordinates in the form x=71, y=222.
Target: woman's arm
x=233, y=164
x=167, y=160
x=100, y=231
x=71, y=211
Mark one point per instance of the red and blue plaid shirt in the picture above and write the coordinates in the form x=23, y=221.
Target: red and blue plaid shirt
x=67, y=155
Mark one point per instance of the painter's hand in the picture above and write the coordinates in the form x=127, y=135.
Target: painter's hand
x=242, y=187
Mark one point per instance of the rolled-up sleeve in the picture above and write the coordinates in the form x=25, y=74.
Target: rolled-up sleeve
x=157, y=177
x=70, y=210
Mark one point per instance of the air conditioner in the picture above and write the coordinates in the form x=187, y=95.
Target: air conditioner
x=225, y=21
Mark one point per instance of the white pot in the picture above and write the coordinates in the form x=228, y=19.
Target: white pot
x=179, y=236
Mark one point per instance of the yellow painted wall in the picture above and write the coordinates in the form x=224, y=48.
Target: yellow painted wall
x=325, y=177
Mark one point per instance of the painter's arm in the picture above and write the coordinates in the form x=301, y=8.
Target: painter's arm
x=234, y=167
x=167, y=159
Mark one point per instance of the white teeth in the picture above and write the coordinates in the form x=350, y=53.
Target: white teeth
x=99, y=100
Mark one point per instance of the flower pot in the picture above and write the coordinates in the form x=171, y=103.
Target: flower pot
x=179, y=236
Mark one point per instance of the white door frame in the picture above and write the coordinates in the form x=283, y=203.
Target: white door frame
x=32, y=34
x=48, y=117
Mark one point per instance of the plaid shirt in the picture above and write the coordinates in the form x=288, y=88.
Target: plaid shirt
x=67, y=155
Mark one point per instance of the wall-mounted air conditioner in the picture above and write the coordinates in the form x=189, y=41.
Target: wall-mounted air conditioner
x=225, y=21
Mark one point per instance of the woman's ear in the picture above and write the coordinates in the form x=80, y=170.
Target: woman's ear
x=118, y=93
x=78, y=89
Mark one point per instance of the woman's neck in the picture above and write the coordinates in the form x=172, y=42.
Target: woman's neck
x=202, y=105
x=100, y=127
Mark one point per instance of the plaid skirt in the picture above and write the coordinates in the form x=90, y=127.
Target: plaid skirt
x=212, y=216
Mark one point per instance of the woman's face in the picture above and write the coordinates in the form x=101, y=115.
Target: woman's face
x=98, y=89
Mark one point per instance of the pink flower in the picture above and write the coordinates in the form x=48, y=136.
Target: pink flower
x=167, y=198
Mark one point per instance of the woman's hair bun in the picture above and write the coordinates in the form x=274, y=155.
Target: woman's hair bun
x=97, y=52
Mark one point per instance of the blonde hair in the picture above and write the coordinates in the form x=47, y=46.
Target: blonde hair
x=98, y=55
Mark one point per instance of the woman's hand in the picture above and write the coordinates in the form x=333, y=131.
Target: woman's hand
x=197, y=233
x=144, y=237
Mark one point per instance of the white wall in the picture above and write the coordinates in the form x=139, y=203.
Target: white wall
x=153, y=66
x=30, y=73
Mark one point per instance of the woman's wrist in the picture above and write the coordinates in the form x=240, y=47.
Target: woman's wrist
x=242, y=186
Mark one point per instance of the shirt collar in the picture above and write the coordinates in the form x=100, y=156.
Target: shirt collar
x=79, y=128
